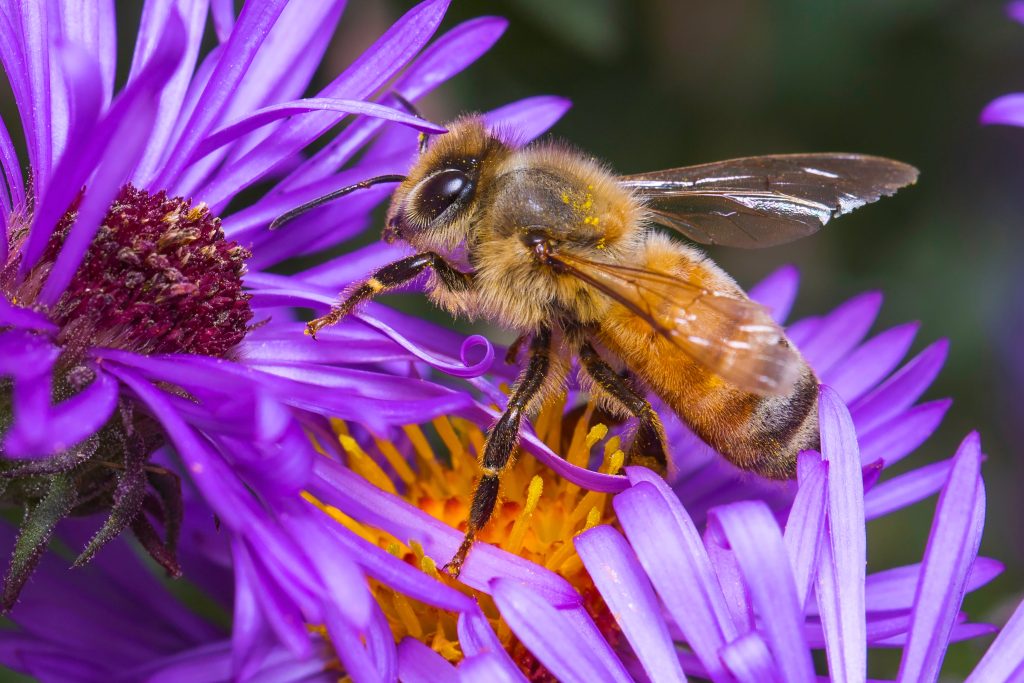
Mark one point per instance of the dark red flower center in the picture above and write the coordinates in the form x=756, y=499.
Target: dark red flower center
x=159, y=277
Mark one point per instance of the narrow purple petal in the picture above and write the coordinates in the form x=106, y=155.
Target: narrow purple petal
x=14, y=181
x=952, y=546
x=749, y=660
x=841, y=572
x=80, y=158
x=417, y=663
x=753, y=534
x=68, y=423
x=254, y=23
x=840, y=331
x=870, y=362
x=1015, y=10
x=478, y=640
x=680, y=571
x=172, y=91
x=338, y=486
x=525, y=120
x=906, y=489
x=443, y=59
x=223, y=12
x=373, y=69
x=267, y=115
x=617, y=574
x=1004, y=660
x=900, y=391
x=286, y=61
x=570, y=654
x=777, y=292
x=1007, y=110
x=25, y=318
x=410, y=581
x=36, y=119
x=488, y=668
x=900, y=436
x=806, y=519
x=91, y=25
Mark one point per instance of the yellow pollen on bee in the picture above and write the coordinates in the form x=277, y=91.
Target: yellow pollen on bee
x=374, y=284
x=537, y=516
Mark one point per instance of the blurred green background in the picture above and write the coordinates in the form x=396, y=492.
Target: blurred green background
x=663, y=83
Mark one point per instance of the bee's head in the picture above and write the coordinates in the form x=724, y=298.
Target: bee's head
x=434, y=207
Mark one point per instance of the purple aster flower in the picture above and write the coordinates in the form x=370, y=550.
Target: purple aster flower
x=1007, y=110
x=138, y=349
x=715, y=573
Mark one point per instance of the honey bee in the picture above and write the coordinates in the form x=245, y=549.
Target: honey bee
x=547, y=242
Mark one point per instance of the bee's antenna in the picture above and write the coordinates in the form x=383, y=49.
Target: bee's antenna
x=411, y=108
x=331, y=196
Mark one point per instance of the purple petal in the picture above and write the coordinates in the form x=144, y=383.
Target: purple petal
x=900, y=391
x=906, y=489
x=25, y=318
x=870, y=362
x=777, y=292
x=15, y=182
x=1015, y=10
x=353, y=495
x=267, y=115
x=223, y=12
x=79, y=159
x=1004, y=660
x=753, y=535
x=36, y=110
x=680, y=571
x=124, y=128
x=417, y=663
x=1007, y=110
x=286, y=61
x=488, y=668
x=406, y=579
x=898, y=437
x=525, y=120
x=571, y=654
x=806, y=519
x=841, y=572
x=478, y=640
x=749, y=660
x=618, y=576
x=254, y=23
x=372, y=70
x=443, y=59
x=172, y=90
x=91, y=26
x=839, y=331
x=65, y=424
x=952, y=547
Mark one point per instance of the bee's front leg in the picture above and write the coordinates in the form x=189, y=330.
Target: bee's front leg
x=501, y=442
x=389, y=277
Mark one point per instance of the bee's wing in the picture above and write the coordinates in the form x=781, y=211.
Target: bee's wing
x=733, y=337
x=768, y=200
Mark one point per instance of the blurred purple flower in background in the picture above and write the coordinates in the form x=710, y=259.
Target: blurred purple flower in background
x=139, y=349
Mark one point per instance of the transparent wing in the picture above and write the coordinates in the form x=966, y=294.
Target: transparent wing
x=733, y=337
x=768, y=200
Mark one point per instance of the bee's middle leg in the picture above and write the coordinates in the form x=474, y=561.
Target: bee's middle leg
x=389, y=277
x=502, y=441
x=648, y=447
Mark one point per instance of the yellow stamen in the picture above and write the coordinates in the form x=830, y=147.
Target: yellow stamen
x=515, y=539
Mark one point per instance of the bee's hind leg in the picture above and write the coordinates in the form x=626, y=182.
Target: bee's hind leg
x=648, y=447
x=501, y=442
x=389, y=277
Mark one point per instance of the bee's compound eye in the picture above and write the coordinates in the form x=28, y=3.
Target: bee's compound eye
x=442, y=190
